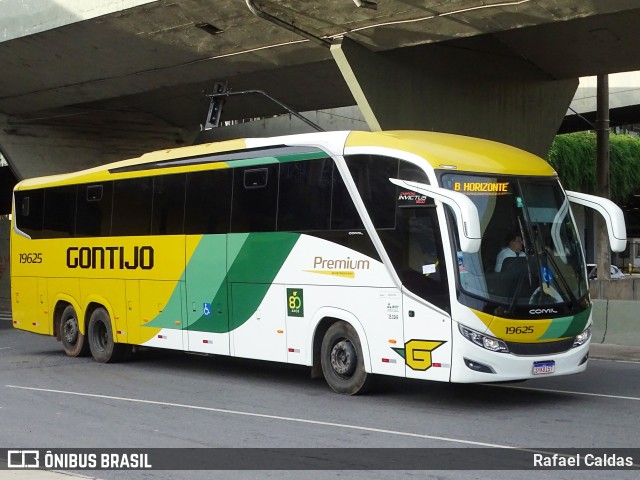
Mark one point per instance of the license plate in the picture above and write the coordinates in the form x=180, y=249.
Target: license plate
x=542, y=368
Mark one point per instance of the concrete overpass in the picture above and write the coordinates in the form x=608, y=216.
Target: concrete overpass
x=84, y=82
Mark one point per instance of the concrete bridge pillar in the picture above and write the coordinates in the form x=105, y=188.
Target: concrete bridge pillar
x=454, y=90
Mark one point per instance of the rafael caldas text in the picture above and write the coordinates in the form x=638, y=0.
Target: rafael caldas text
x=581, y=460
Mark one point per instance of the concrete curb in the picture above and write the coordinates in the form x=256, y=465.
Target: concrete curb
x=606, y=351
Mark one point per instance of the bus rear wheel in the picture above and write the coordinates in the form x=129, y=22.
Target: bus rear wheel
x=342, y=360
x=100, y=334
x=75, y=344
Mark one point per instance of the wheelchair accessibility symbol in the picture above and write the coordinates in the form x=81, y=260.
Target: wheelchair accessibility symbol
x=206, y=309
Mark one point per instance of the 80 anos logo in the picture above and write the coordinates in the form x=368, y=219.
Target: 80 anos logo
x=295, y=302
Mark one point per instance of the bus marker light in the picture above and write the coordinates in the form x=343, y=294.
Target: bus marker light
x=207, y=341
x=392, y=341
x=119, y=332
x=437, y=365
x=294, y=350
x=389, y=360
x=280, y=331
x=163, y=337
x=177, y=322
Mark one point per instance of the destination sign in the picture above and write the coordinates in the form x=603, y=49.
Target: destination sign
x=481, y=187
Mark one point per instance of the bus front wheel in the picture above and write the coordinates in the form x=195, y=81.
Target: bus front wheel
x=75, y=344
x=100, y=334
x=342, y=360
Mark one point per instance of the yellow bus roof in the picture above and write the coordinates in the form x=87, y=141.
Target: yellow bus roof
x=99, y=173
x=440, y=150
x=443, y=150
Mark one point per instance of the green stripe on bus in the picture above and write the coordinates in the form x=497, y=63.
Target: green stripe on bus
x=258, y=259
x=255, y=259
x=567, y=326
x=252, y=162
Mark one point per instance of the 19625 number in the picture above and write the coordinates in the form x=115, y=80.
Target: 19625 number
x=519, y=330
x=31, y=258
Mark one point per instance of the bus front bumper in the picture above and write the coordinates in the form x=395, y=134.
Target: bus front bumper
x=472, y=363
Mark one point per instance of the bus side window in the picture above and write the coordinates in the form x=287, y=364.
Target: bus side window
x=59, y=212
x=416, y=245
x=255, y=199
x=371, y=174
x=413, y=173
x=344, y=215
x=29, y=210
x=132, y=206
x=304, y=199
x=168, y=204
x=93, y=217
x=208, y=202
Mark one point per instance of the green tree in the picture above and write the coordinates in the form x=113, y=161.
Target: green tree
x=573, y=156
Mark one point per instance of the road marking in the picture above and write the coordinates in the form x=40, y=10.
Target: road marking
x=568, y=392
x=613, y=360
x=4, y=348
x=276, y=417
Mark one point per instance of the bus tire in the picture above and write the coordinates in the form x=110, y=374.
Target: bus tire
x=75, y=344
x=342, y=360
x=100, y=334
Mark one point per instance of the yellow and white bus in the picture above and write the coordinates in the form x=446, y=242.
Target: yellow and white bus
x=354, y=253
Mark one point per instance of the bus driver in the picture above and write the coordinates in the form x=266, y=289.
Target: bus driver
x=513, y=248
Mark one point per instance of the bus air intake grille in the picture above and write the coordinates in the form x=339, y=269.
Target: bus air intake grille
x=544, y=348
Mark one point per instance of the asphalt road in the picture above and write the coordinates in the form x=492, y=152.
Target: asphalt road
x=167, y=399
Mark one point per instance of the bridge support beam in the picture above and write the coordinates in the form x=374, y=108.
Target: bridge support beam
x=499, y=97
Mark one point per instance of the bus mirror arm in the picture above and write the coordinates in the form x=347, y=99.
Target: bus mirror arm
x=612, y=214
x=466, y=213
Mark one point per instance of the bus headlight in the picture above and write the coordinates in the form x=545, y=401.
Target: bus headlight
x=484, y=341
x=581, y=338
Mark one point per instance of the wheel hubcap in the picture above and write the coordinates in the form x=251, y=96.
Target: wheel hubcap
x=101, y=336
x=344, y=358
x=70, y=331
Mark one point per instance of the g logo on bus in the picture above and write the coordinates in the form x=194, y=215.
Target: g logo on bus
x=417, y=353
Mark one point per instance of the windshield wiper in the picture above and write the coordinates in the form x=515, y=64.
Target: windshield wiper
x=520, y=284
x=517, y=291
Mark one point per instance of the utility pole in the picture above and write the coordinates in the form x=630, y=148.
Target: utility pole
x=603, y=252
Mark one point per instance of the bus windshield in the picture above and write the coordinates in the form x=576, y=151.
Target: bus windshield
x=530, y=252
